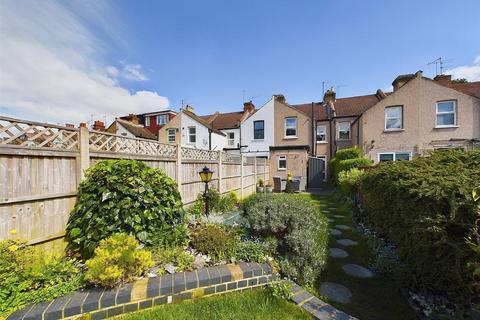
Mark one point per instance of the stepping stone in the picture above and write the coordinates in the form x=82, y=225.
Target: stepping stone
x=357, y=271
x=338, y=253
x=331, y=220
x=336, y=292
x=339, y=216
x=335, y=232
x=342, y=227
x=347, y=242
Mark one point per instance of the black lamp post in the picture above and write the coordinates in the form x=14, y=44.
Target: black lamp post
x=206, y=176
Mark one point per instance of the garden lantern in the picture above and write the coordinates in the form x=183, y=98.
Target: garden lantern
x=206, y=176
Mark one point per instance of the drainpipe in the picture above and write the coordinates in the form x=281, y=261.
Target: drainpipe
x=314, y=145
x=358, y=129
x=209, y=139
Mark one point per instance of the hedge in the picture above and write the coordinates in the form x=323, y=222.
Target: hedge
x=348, y=164
x=425, y=207
x=348, y=153
x=346, y=159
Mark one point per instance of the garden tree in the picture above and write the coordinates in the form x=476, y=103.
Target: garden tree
x=461, y=80
x=125, y=196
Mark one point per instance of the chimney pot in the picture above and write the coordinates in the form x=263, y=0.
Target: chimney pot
x=248, y=106
x=69, y=125
x=189, y=108
x=443, y=78
x=83, y=125
x=98, y=125
x=280, y=98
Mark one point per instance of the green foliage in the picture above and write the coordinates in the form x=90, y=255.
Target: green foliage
x=345, y=165
x=300, y=230
x=27, y=276
x=425, y=206
x=346, y=159
x=250, y=251
x=215, y=241
x=227, y=203
x=123, y=196
x=349, y=181
x=348, y=153
x=261, y=183
x=289, y=186
x=461, y=80
x=180, y=259
x=217, y=202
x=281, y=290
x=117, y=258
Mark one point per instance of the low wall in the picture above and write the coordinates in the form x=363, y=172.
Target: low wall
x=102, y=303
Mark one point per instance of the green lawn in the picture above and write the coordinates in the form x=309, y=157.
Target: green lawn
x=372, y=298
x=252, y=304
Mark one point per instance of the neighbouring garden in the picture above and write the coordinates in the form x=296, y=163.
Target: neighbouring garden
x=422, y=218
x=129, y=222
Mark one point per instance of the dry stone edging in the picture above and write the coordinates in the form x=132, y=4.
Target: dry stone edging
x=316, y=307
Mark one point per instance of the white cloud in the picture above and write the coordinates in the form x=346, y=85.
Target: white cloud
x=471, y=73
x=51, y=63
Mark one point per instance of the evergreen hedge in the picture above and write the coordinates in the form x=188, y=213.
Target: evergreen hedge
x=425, y=206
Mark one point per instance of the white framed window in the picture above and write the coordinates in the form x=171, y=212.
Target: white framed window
x=147, y=121
x=231, y=138
x=446, y=114
x=162, y=119
x=192, y=134
x=282, y=163
x=394, y=118
x=258, y=130
x=171, y=134
x=394, y=156
x=344, y=131
x=291, y=127
x=321, y=133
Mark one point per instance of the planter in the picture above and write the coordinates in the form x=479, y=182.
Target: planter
x=269, y=189
x=260, y=189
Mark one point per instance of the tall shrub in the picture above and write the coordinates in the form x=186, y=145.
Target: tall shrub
x=426, y=207
x=301, y=232
x=125, y=196
x=346, y=159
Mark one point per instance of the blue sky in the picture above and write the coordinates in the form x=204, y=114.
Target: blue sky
x=211, y=54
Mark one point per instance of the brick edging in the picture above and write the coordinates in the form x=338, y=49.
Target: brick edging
x=101, y=303
x=316, y=307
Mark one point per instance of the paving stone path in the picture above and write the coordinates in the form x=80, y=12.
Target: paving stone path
x=347, y=242
x=338, y=216
x=338, y=253
x=342, y=227
x=336, y=292
x=357, y=271
x=335, y=232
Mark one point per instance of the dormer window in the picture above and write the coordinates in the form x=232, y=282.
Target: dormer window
x=162, y=119
x=446, y=114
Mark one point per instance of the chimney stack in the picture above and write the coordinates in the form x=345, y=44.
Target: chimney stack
x=133, y=118
x=248, y=106
x=279, y=98
x=98, y=125
x=69, y=125
x=329, y=96
x=83, y=125
x=443, y=78
x=189, y=108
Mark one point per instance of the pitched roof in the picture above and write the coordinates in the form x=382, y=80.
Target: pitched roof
x=319, y=111
x=470, y=88
x=229, y=120
x=202, y=121
x=137, y=130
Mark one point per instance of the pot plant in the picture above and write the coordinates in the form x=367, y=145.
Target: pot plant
x=260, y=185
x=268, y=188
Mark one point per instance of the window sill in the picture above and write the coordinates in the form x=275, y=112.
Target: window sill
x=258, y=140
x=346, y=140
x=290, y=137
x=322, y=142
x=393, y=130
x=446, y=127
x=279, y=169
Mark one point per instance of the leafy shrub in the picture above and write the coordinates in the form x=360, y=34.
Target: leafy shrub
x=215, y=241
x=281, y=289
x=180, y=259
x=425, y=207
x=346, y=159
x=217, y=202
x=250, y=251
x=123, y=196
x=27, y=276
x=348, y=153
x=345, y=165
x=349, y=181
x=300, y=229
x=227, y=203
x=117, y=258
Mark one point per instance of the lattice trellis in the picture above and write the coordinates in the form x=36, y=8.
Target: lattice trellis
x=199, y=154
x=104, y=142
x=229, y=157
x=14, y=132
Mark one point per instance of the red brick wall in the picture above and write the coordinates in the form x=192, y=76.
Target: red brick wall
x=153, y=122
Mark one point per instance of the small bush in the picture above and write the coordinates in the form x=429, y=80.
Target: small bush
x=346, y=159
x=300, y=229
x=349, y=181
x=348, y=153
x=281, y=290
x=227, y=203
x=123, y=196
x=27, y=276
x=117, y=259
x=345, y=165
x=250, y=251
x=180, y=259
x=217, y=202
x=215, y=241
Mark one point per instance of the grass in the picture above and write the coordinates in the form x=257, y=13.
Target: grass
x=372, y=298
x=252, y=304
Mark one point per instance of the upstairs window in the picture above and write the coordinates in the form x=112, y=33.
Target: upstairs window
x=231, y=138
x=147, y=121
x=446, y=114
x=282, y=163
x=321, y=133
x=344, y=131
x=192, y=134
x=171, y=135
x=162, y=119
x=291, y=127
x=259, y=130
x=394, y=118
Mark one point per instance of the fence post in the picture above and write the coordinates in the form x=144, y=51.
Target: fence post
x=84, y=150
x=241, y=176
x=220, y=172
x=265, y=172
x=255, y=172
x=178, y=167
